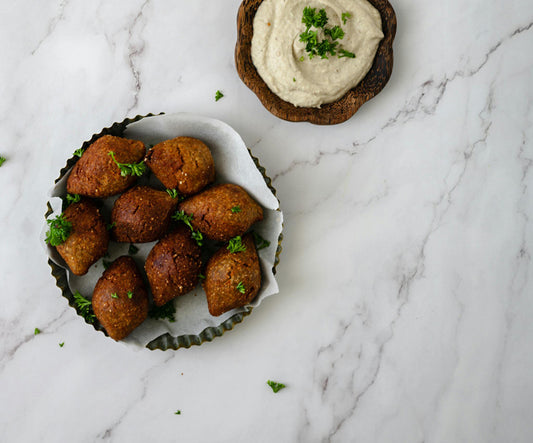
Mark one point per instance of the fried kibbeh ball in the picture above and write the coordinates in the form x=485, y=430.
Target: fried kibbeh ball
x=222, y=211
x=97, y=175
x=142, y=214
x=88, y=239
x=233, y=279
x=173, y=265
x=182, y=163
x=120, y=300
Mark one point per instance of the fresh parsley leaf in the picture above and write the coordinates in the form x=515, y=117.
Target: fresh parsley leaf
x=185, y=218
x=167, y=311
x=345, y=16
x=73, y=198
x=236, y=209
x=173, y=193
x=136, y=169
x=2, y=160
x=132, y=250
x=60, y=229
x=111, y=226
x=235, y=245
x=178, y=412
x=260, y=242
x=218, y=95
x=61, y=344
x=325, y=48
x=275, y=385
x=37, y=331
x=344, y=53
x=85, y=307
x=106, y=264
x=114, y=295
x=130, y=295
x=201, y=276
x=79, y=152
x=240, y=287
x=312, y=18
x=335, y=33
x=198, y=237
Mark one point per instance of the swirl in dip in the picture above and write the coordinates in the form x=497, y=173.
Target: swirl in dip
x=282, y=61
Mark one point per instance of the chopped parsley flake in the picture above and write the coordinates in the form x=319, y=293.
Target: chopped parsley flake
x=59, y=231
x=132, y=250
x=218, y=95
x=61, y=344
x=260, y=242
x=236, y=209
x=167, y=311
x=37, y=331
x=85, y=307
x=136, y=169
x=79, y=152
x=240, y=287
x=275, y=385
x=235, y=245
x=114, y=295
x=2, y=160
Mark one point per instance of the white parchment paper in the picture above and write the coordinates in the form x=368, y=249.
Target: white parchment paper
x=233, y=164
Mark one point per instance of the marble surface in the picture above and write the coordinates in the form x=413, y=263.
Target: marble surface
x=405, y=306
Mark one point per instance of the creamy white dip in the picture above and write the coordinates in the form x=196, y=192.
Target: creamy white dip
x=277, y=50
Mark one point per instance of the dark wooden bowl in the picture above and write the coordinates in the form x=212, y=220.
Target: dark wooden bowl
x=331, y=113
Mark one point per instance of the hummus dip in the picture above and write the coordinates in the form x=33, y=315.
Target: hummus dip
x=283, y=63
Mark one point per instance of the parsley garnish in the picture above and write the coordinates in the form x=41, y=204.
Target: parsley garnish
x=275, y=385
x=61, y=344
x=346, y=16
x=73, y=198
x=166, y=311
x=85, y=307
x=260, y=242
x=132, y=250
x=2, y=160
x=218, y=95
x=130, y=295
x=106, y=264
x=178, y=412
x=114, y=295
x=235, y=245
x=326, y=47
x=240, y=287
x=60, y=229
x=344, y=53
x=37, y=331
x=201, y=276
x=137, y=169
x=173, y=193
x=111, y=226
x=236, y=209
x=185, y=218
x=79, y=152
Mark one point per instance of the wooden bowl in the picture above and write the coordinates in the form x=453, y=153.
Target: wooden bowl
x=330, y=113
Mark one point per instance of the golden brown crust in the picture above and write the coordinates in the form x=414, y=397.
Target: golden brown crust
x=173, y=266
x=88, y=239
x=182, y=163
x=225, y=271
x=95, y=174
x=213, y=215
x=142, y=214
x=120, y=301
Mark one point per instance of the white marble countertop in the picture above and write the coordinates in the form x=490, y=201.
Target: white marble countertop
x=405, y=309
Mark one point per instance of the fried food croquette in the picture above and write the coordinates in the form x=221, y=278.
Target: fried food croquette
x=173, y=266
x=88, y=239
x=142, y=214
x=97, y=175
x=120, y=301
x=232, y=279
x=222, y=211
x=182, y=163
